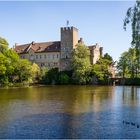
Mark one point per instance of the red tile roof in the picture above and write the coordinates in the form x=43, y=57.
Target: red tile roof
x=39, y=47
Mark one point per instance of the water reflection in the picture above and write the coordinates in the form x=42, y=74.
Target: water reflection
x=131, y=95
x=69, y=112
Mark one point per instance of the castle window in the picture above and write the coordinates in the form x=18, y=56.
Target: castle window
x=40, y=56
x=36, y=56
x=63, y=55
x=57, y=56
x=48, y=56
x=53, y=56
x=66, y=44
x=31, y=57
x=55, y=63
x=45, y=56
x=42, y=64
x=67, y=49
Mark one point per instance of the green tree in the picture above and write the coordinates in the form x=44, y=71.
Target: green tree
x=133, y=17
x=43, y=74
x=108, y=57
x=35, y=72
x=81, y=64
x=132, y=62
x=51, y=76
x=127, y=64
x=3, y=69
x=11, y=54
x=3, y=45
x=101, y=68
x=13, y=69
x=122, y=65
x=63, y=78
x=12, y=58
x=23, y=70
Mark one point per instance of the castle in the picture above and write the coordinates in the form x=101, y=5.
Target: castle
x=56, y=54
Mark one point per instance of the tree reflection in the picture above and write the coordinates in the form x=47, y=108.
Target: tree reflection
x=130, y=95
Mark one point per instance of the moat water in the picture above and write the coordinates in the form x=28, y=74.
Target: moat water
x=70, y=112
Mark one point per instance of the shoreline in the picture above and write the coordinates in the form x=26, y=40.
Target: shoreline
x=45, y=85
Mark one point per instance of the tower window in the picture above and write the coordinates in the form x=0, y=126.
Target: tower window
x=57, y=56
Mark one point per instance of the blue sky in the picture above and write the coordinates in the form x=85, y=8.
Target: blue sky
x=98, y=22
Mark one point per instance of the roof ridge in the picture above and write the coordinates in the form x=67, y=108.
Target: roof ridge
x=46, y=42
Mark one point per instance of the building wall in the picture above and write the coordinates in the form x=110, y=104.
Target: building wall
x=54, y=59
x=49, y=59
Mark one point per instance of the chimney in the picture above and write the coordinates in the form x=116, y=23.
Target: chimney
x=16, y=44
x=81, y=41
x=33, y=42
x=101, y=51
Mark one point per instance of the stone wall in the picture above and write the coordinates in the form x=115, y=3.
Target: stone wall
x=69, y=39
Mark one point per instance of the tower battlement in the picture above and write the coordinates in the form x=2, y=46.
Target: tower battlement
x=68, y=28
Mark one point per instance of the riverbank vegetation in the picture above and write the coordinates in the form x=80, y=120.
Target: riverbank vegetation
x=15, y=71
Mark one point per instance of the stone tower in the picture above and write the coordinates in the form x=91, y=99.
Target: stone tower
x=69, y=39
